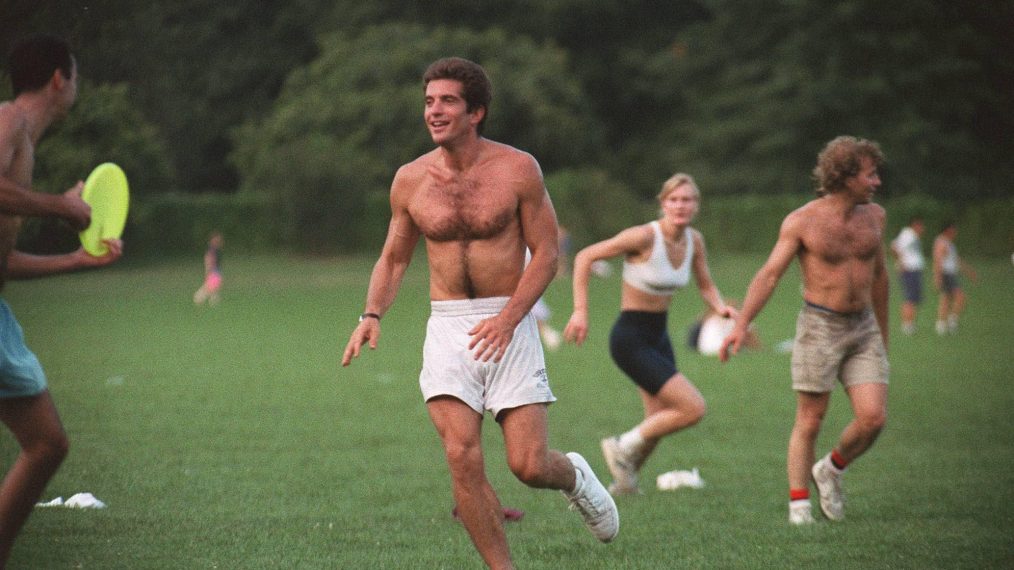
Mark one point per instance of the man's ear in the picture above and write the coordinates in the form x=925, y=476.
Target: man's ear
x=478, y=115
x=57, y=81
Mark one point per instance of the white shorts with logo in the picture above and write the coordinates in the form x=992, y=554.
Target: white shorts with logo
x=450, y=368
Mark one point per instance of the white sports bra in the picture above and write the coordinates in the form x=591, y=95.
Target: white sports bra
x=657, y=276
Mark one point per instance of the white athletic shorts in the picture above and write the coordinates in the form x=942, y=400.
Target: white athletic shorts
x=450, y=368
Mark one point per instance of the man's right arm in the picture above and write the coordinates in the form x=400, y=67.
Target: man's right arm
x=764, y=282
x=17, y=200
x=385, y=280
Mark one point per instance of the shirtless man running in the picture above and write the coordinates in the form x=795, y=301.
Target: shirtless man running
x=479, y=204
x=841, y=332
x=44, y=82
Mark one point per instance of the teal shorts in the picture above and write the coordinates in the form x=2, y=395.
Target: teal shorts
x=20, y=372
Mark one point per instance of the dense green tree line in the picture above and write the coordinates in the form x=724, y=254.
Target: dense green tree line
x=316, y=103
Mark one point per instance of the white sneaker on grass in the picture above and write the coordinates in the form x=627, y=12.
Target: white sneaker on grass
x=591, y=499
x=622, y=466
x=799, y=513
x=829, y=485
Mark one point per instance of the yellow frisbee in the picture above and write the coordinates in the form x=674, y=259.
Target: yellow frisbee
x=107, y=192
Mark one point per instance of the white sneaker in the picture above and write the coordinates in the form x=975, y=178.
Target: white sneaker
x=592, y=500
x=799, y=513
x=622, y=465
x=828, y=480
x=941, y=327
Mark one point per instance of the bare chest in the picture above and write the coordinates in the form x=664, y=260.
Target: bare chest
x=463, y=209
x=840, y=242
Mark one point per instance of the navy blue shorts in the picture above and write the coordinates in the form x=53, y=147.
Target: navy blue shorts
x=639, y=344
x=950, y=283
x=911, y=285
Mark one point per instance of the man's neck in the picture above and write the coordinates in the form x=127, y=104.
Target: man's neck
x=34, y=108
x=843, y=202
x=464, y=154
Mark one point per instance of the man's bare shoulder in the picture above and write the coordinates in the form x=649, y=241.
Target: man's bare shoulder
x=513, y=158
x=418, y=166
x=411, y=174
x=877, y=211
x=808, y=214
x=13, y=121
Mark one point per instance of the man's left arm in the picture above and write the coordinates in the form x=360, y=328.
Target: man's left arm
x=880, y=286
x=21, y=265
x=539, y=230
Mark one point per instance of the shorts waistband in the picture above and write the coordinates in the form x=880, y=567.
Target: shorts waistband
x=462, y=307
x=830, y=311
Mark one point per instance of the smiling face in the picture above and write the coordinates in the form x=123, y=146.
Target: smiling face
x=446, y=114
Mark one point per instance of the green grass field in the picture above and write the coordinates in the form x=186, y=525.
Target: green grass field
x=230, y=437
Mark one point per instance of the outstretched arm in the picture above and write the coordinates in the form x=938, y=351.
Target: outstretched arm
x=21, y=265
x=764, y=283
x=402, y=236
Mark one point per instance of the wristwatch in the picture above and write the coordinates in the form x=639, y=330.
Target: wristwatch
x=365, y=316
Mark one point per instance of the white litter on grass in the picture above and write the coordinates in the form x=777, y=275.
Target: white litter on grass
x=76, y=501
x=675, y=479
x=601, y=268
x=785, y=347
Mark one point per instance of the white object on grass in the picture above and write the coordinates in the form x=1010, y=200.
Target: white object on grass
x=676, y=479
x=76, y=501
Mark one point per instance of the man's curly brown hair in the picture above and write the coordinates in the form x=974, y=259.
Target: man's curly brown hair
x=840, y=160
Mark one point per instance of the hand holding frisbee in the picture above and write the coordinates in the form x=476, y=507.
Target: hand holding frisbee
x=107, y=192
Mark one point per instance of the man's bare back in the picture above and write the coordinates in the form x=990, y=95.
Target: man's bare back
x=472, y=218
x=17, y=159
x=838, y=251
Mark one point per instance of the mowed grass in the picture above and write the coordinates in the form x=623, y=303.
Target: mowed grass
x=230, y=437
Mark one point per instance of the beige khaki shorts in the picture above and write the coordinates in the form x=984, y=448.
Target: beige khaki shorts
x=450, y=367
x=832, y=346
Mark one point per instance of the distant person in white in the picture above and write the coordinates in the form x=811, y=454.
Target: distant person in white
x=907, y=250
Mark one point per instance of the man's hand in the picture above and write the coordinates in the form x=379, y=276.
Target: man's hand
x=75, y=210
x=734, y=340
x=492, y=336
x=368, y=331
x=115, y=251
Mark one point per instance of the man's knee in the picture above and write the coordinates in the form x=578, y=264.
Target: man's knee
x=57, y=447
x=808, y=424
x=873, y=421
x=463, y=458
x=530, y=469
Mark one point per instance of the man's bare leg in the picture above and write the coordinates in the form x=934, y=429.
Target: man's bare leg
x=810, y=410
x=869, y=404
x=528, y=454
x=36, y=427
x=460, y=429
